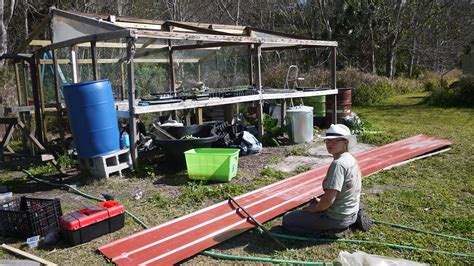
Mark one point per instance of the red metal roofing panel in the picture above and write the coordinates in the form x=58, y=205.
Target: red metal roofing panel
x=183, y=237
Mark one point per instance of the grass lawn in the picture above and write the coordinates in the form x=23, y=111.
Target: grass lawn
x=434, y=194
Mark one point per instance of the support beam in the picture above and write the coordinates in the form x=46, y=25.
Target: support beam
x=88, y=38
x=18, y=84
x=59, y=108
x=283, y=113
x=229, y=110
x=258, y=85
x=195, y=28
x=333, y=84
x=198, y=113
x=95, y=71
x=41, y=97
x=36, y=98
x=57, y=85
x=122, y=77
x=25, y=79
x=131, y=101
x=251, y=72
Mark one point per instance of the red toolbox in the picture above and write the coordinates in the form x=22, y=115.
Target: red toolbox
x=93, y=221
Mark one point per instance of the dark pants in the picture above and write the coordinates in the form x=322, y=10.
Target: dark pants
x=314, y=223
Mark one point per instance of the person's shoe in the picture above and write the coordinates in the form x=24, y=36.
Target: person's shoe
x=363, y=222
x=335, y=233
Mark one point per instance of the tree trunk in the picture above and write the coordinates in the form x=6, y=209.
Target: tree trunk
x=372, y=51
x=412, y=57
x=390, y=61
x=3, y=31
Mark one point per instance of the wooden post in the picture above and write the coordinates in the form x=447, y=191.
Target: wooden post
x=36, y=98
x=251, y=74
x=283, y=113
x=18, y=84
x=229, y=110
x=198, y=72
x=198, y=113
x=122, y=70
x=258, y=83
x=333, y=85
x=25, y=78
x=41, y=97
x=172, y=70
x=131, y=101
x=59, y=108
x=248, y=32
x=18, y=91
x=95, y=71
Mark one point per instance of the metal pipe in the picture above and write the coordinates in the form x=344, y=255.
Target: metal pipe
x=131, y=100
x=74, y=65
x=256, y=222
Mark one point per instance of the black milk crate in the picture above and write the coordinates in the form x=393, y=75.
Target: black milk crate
x=26, y=217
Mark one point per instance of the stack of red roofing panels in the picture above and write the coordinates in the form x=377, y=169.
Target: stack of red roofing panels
x=171, y=242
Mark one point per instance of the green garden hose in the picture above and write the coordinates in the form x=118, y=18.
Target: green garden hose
x=291, y=237
x=423, y=231
x=207, y=253
x=355, y=241
x=77, y=191
x=232, y=257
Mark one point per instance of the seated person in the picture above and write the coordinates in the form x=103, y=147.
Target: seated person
x=338, y=208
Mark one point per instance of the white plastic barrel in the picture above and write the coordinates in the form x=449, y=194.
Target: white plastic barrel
x=300, y=123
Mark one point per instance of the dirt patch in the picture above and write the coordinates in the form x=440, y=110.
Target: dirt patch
x=318, y=156
x=251, y=165
x=291, y=163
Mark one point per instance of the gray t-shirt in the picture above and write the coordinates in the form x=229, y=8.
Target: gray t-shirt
x=344, y=176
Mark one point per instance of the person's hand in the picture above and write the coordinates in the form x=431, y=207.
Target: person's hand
x=313, y=203
x=314, y=200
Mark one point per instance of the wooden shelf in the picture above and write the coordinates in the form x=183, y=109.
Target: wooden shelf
x=122, y=106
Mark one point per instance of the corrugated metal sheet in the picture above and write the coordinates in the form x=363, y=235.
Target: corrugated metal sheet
x=183, y=237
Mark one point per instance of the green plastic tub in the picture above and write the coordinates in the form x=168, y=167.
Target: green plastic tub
x=214, y=164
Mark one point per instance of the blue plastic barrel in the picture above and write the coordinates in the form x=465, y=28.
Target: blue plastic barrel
x=92, y=117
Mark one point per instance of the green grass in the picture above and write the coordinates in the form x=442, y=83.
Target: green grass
x=434, y=194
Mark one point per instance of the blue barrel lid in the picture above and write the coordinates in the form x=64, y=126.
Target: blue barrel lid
x=85, y=82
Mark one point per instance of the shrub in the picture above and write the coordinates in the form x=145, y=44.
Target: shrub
x=274, y=76
x=315, y=77
x=368, y=89
x=458, y=94
x=371, y=94
x=466, y=90
x=353, y=78
x=406, y=85
x=272, y=131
